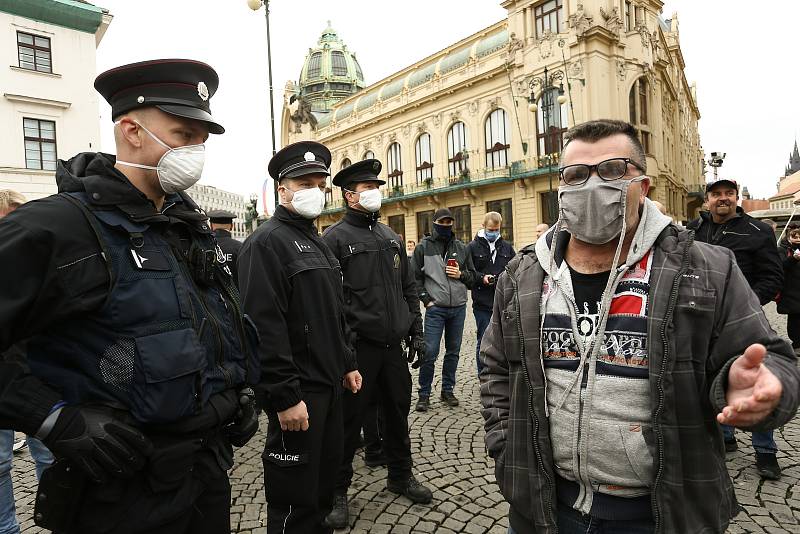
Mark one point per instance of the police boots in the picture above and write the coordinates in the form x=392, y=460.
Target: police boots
x=411, y=489
x=339, y=516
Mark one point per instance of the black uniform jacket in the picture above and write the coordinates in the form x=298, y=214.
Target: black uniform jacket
x=230, y=247
x=291, y=286
x=753, y=244
x=51, y=269
x=380, y=293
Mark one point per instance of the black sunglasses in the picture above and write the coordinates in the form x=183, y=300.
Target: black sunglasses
x=608, y=170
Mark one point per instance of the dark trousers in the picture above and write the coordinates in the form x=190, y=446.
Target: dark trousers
x=299, y=491
x=386, y=378
x=209, y=512
x=450, y=322
x=373, y=431
x=482, y=320
x=793, y=328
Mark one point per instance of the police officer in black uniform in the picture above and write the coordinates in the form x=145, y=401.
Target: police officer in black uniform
x=382, y=309
x=292, y=287
x=136, y=347
x=221, y=225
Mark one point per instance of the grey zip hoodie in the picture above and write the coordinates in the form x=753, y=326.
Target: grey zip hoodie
x=599, y=432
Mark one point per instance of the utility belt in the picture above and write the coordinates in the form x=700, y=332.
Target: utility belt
x=65, y=491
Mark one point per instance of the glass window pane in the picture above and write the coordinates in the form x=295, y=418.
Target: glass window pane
x=44, y=42
x=30, y=123
x=24, y=38
x=33, y=164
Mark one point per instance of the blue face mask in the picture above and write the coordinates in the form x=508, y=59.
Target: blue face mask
x=491, y=236
x=442, y=230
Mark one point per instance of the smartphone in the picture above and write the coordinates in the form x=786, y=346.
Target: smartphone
x=452, y=262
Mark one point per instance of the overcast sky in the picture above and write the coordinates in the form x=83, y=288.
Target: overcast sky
x=748, y=76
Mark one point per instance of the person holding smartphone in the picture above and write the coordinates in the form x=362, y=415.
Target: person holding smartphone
x=444, y=272
x=490, y=254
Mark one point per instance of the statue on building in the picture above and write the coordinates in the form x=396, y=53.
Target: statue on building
x=580, y=21
x=613, y=20
x=302, y=114
x=514, y=44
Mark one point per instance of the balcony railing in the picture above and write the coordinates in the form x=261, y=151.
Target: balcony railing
x=430, y=186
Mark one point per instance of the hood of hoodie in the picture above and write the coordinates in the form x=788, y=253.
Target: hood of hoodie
x=651, y=224
x=94, y=173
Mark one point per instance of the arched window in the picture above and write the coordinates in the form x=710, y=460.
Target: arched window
x=394, y=166
x=338, y=63
x=369, y=154
x=424, y=158
x=315, y=65
x=551, y=121
x=457, y=149
x=639, y=106
x=497, y=137
x=346, y=163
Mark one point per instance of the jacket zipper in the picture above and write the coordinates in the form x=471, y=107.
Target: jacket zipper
x=218, y=339
x=527, y=377
x=673, y=299
x=388, y=322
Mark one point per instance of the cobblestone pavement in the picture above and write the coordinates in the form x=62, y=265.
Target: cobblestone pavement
x=449, y=456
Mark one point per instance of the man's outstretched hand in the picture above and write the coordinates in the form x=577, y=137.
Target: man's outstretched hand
x=753, y=391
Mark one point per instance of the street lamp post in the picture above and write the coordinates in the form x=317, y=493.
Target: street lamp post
x=255, y=5
x=546, y=84
x=715, y=161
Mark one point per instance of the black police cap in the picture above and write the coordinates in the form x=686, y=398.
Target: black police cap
x=362, y=171
x=180, y=87
x=221, y=216
x=300, y=159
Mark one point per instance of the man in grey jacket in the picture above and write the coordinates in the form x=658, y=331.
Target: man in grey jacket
x=621, y=435
x=444, y=271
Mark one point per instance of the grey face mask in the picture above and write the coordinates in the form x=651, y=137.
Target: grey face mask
x=595, y=211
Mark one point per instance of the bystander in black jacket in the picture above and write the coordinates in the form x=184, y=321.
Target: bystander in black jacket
x=380, y=294
x=291, y=285
x=789, y=302
x=753, y=244
x=485, y=263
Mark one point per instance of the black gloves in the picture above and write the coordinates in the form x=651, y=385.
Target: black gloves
x=416, y=351
x=245, y=426
x=94, y=440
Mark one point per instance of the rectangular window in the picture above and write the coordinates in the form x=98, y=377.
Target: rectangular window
x=338, y=64
x=398, y=225
x=628, y=16
x=549, y=203
x=33, y=52
x=395, y=168
x=548, y=17
x=503, y=207
x=462, y=223
x=40, y=144
x=424, y=224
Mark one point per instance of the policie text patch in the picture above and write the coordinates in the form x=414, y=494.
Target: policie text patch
x=285, y=459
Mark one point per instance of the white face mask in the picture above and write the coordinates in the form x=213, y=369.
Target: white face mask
x=370, y=199
x=308, y=202
x=179, y=168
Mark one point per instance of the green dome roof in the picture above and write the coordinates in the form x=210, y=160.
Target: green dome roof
x=330, y=72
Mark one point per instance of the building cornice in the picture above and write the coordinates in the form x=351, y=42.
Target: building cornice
x=71, y=14
x=38, y=101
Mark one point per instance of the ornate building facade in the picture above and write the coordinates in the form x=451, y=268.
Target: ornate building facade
x=210, y=198
x=479, y=126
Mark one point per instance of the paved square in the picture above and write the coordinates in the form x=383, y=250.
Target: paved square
x=449, y=456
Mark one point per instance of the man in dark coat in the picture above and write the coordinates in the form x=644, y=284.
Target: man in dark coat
x=221, y=225
x=490, y=255
x=789, y=301
x=753, y=243
x=137, y=350
x=292, y=287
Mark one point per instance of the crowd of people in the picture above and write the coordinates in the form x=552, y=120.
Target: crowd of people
x=616, y=354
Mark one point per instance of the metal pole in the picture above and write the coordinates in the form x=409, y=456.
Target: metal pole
x=787, y=224
x=271, y=99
